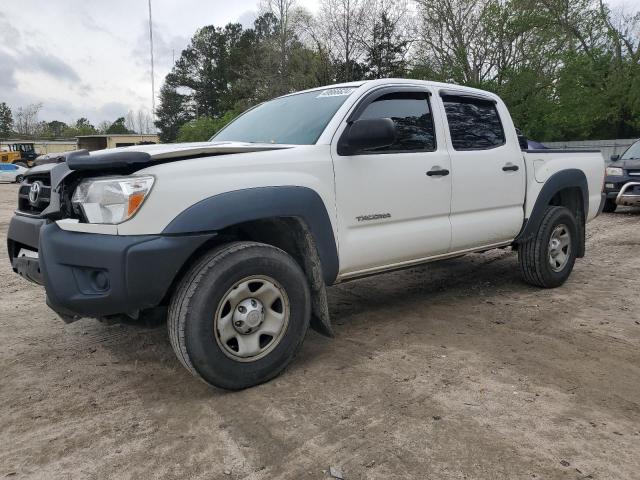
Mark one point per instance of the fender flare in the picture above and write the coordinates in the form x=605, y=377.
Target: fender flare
x=239, y=206
x=570, y=178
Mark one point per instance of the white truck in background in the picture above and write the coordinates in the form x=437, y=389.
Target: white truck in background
x=237, y=238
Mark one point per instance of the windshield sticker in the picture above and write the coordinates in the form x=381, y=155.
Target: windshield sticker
x=337, y=92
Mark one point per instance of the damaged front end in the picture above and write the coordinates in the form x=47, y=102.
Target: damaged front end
x=88, y=274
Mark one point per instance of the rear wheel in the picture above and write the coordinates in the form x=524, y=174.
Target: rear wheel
x=610, y=206
x=547, y=259
x=239, y=316
x=19, y=178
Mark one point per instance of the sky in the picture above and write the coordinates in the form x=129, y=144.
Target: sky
x=90, y=58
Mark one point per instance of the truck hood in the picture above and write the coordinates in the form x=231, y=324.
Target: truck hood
x=164, y=151
x=626, y=164
x=141, y=156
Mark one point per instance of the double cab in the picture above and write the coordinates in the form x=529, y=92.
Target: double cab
x=238, y=238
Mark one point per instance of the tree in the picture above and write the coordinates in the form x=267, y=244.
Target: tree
x=130, y=121
x=6, y=121
x=84, y=127
x=344, y=24
x=26, y=119
x=56, y=128
x=103, y=126
x=207, y=69
x=144, y=123
x=171, y=113
x=117, y=127
x=387, y=41
x=566, y=69
x=203, y=128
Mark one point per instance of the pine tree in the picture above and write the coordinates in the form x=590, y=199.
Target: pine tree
x=6, y=121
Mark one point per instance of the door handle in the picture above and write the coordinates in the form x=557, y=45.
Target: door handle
x=509, y=167
x=438, y=173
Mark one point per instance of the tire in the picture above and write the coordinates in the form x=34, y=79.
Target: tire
x=610, y=206
x=19, y=178
x=536, y=255
x=217, y=287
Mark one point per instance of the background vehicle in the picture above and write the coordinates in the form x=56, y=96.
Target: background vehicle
x=239, y=237
x=622, y=182
x=19, y=153
x=11, y=173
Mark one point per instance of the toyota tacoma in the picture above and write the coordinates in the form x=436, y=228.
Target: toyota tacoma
x=238, y=238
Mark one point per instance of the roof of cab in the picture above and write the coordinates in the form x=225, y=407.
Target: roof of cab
x=396, y=81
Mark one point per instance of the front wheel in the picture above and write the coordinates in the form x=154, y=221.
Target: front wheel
x=547, y=259
x=239, y=316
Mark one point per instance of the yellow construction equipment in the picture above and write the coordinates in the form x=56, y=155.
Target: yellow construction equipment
x=19, y=153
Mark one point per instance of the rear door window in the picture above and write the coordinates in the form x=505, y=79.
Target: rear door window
x=474, y=124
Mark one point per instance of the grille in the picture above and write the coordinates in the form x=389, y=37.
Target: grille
x=34, y=204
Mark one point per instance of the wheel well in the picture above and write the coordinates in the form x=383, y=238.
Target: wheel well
x=572, y=198
x=290, y=234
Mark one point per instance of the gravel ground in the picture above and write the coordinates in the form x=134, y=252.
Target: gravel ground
x=450, y=371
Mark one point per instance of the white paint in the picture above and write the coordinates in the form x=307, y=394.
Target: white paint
x=477, y=206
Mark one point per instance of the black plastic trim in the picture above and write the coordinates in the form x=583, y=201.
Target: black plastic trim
x=111, y=159
x=94, y=275
x=24, y=230
x=469, y=96
x=564, y=179
x=240, y=206
x=372, y=96
x=561, y=150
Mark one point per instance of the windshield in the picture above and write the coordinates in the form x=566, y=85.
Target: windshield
x=632, y=153
x=296, y=119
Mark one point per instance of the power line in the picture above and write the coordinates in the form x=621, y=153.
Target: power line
x=153, y=85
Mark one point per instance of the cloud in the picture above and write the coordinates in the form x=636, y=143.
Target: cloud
x=113, y=110
x=9, y=35
x=7, y=72
x=43, y=62
x=247, y=18
x=165, y=46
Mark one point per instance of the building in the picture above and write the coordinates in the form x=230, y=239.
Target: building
x=42, y=147
x=100, y=142
x=88, y=142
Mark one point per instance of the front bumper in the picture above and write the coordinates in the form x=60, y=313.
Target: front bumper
x=96, y=275
x=629, y=195
x=615, y=185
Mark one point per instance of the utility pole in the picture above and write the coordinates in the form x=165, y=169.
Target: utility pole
x=153, y=84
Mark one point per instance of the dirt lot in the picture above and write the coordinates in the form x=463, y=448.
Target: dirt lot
x=451, y=371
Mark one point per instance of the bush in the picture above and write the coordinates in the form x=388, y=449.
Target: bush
x=203, y=128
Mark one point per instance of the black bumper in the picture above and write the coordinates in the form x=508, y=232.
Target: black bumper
x=616, y=184
x=94, y=275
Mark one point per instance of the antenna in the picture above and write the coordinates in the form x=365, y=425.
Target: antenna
x=153, y=85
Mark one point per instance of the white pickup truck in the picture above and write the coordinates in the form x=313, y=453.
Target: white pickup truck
x=237, y=238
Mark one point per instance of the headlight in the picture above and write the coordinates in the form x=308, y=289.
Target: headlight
x=615, y=171
x=111, y=200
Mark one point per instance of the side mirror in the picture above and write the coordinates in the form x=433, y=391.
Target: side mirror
x=366, y=135
x=615, y=157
